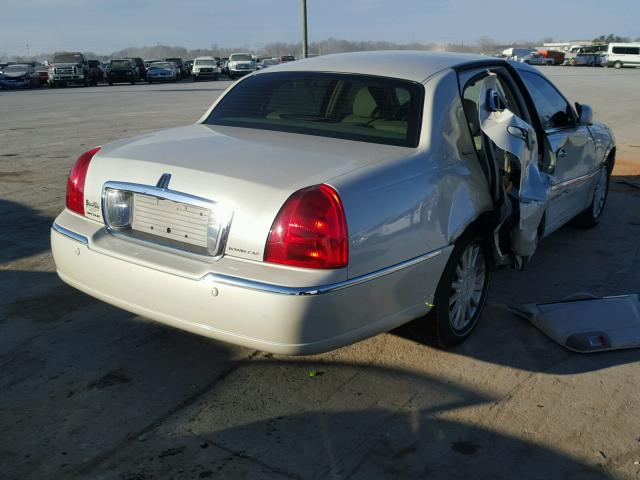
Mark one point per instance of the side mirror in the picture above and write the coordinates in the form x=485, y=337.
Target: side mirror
x=585, y=114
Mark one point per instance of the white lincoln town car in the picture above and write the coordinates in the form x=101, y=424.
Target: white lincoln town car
x=320, y=202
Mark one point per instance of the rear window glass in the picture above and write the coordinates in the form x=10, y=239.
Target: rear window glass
x=120, y=64
x=352, y=107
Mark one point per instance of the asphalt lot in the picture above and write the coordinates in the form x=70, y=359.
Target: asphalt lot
x=90, y=391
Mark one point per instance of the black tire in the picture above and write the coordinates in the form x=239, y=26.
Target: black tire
x=591, y=216
x=111, y=84
x=149, y=81
x=617, y=65
x=437, y=327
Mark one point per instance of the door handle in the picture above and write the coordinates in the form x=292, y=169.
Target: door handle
x=561, y=153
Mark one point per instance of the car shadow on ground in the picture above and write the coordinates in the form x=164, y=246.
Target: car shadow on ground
x=25, y=231
x=381, y=423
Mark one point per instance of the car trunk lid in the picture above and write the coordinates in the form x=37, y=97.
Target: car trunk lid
x=251, y=171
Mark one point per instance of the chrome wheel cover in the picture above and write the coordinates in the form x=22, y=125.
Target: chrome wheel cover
x=600, y=193
x=467, y=287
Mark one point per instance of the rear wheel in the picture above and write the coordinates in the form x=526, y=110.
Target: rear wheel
x=617, y=65
x=460, y=296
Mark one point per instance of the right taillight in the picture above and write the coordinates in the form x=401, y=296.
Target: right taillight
x=77, y=177
x=310, y=231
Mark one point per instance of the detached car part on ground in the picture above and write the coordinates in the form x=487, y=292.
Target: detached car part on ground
x=327, y=200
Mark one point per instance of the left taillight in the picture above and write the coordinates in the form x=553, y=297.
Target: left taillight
x=77, y=177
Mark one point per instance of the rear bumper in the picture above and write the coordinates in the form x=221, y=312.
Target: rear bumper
x=249, y=312
x=19, y=84
x=206, y=74
x=240, y=72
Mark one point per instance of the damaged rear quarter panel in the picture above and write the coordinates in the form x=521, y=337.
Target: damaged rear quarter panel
x=422, y=200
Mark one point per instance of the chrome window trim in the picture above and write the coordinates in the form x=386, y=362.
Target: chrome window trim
x=69, y=233
x=174, y=196
x=321, y=289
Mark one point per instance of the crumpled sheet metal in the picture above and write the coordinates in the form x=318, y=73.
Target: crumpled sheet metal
x=534, y=185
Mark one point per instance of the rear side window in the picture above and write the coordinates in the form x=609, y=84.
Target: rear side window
x=352, y=107
x=553, y=109
x=626, y=50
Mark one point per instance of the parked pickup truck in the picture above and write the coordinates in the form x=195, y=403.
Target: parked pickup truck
x=68, y=68
x=545, y=57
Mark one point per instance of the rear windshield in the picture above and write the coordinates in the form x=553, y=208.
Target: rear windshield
x=120, y=65
x=240, y=57
x=68, y=58
x=352, y=107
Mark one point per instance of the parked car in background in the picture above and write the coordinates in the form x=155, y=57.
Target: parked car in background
x=224, y=66
x=267, y=62
x=162, y=72
x=240, y=64
x=544, y=57
x=122, y=71
x=96, y=73
x=142, y=71
x=587, y=60
x=188, y=65
x=385, y=186
x=205, y=68
x=68, y=68
x=181, y=71
x=286, y=58
x=42, y=73
x=620, y=55
x=19, y=75
x=149, y=62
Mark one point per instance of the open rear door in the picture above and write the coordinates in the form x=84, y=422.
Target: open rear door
x=526, y=203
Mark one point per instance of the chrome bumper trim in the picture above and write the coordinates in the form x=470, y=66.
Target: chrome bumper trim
x=71, y=234
x=223, y=279
x=318, y=290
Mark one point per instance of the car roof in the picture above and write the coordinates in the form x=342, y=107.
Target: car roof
x=406, y=64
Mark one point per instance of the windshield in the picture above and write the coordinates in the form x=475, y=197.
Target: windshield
x=205, y=63
x=240, y=57
x=160, y=65
x=353, y=107
x=120, y=65
x=15, y=69
x=68, y=58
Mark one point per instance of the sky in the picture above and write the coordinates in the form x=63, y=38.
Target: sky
x=104, y=26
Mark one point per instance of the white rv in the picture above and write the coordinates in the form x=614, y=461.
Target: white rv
x=623, y=55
